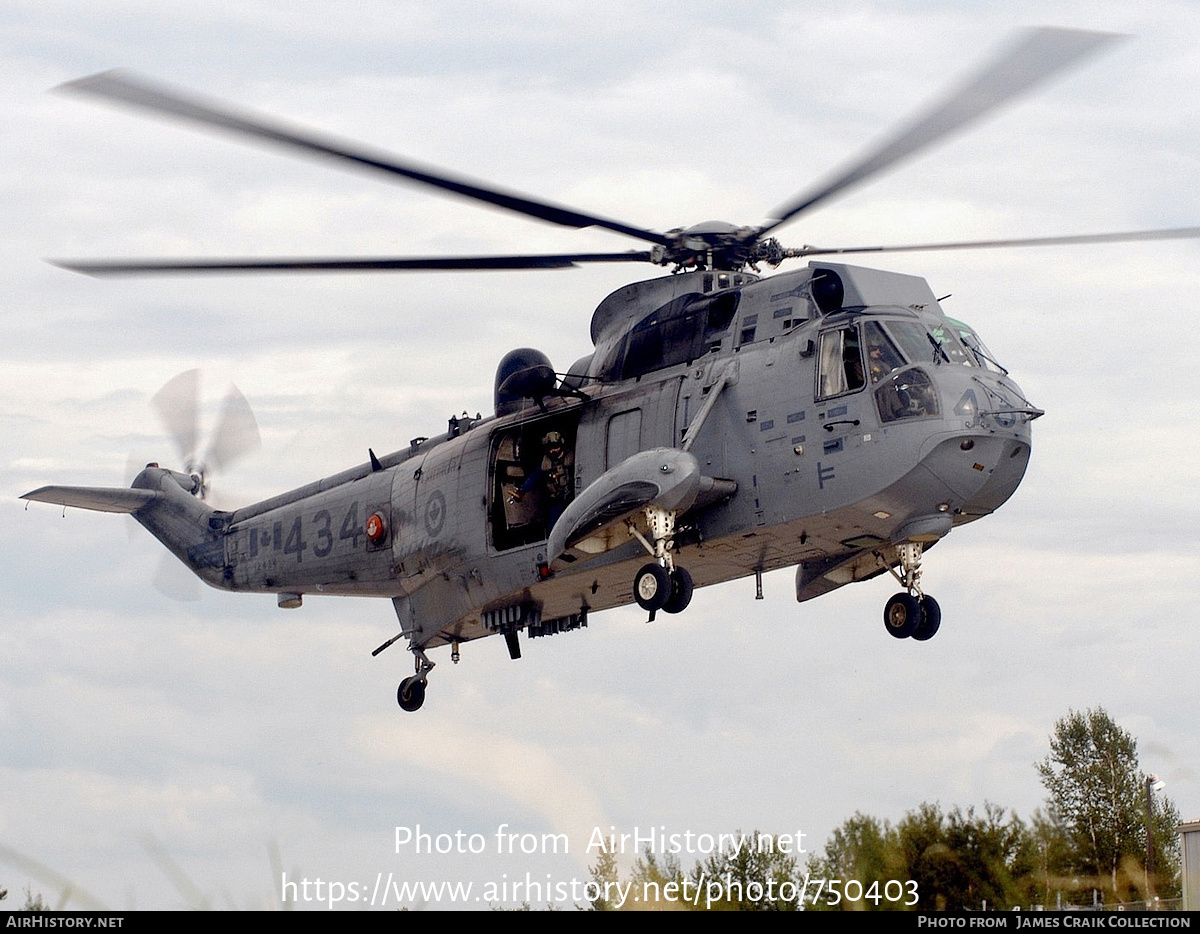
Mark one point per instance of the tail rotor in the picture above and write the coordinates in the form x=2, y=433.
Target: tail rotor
x=235, y=436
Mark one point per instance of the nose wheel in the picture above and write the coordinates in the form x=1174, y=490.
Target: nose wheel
x=911, y=613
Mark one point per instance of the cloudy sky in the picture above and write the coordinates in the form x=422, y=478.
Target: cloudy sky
x=157, y=753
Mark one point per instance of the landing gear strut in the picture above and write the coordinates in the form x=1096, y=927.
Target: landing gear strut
x=410, y=695
x=911, y=613
x=660, y=585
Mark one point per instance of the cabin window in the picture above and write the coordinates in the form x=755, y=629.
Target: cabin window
x=839, y=366
x=624, y=436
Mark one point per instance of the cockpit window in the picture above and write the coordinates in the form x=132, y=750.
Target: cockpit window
x=948, y=343
x=981, y=354
x=906, y=394
x=882, y=355
x=840, y=367
x=914, y=341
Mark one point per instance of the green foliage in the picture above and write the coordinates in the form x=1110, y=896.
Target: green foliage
x=865, y=849
x=756, y=877
x=1091, y=838
x=604, y=874
x=932, y=860
x=1097, y=803
x=656, y=883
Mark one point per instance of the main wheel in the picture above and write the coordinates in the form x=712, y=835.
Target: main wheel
x=681, y=592
x=652, y=587
x=411, y=694
x=902, y=615
x=931, y=619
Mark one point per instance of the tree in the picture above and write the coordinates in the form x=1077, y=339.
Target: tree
x=757, y=876
x=991, y=859
x=863, y=849
x=931, y=860
x=1098, y=802
x=604, y=875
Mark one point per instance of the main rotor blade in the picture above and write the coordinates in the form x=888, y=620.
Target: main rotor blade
x=1039, y=55
x=318, y=264
x=126, y=89
x=1174, y=233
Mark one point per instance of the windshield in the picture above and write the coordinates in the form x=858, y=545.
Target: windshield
x=981, y=354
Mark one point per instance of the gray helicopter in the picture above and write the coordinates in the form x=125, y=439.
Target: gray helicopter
x=725, y=424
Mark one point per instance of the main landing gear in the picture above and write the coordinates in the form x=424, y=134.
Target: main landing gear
x=655, y=588
x=411, y=693
x=911, y=614
x=660, y=585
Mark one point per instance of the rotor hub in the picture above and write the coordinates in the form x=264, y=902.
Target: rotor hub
x=716, y=245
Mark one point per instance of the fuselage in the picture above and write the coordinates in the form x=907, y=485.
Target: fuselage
x=841, y=427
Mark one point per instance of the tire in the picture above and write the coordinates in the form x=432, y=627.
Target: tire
x=411, y=694
x=931, y=620
x=681, y=592
x=902, y=615
x=652, y=587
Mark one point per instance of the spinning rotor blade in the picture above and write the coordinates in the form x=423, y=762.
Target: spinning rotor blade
x=173, y=580
x=177, y=404
x=126, y=89
x=236, y=434
x=1175, y=233
x=319, y=264
x=1041, y=54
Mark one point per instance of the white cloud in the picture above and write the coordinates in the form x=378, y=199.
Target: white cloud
x=221, y=727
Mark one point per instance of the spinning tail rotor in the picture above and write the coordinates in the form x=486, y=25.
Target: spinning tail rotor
x=235, y=436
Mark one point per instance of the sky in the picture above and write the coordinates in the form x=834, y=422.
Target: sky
x=158, y=753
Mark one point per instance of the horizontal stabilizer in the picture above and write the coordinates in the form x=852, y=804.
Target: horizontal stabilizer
x=97, y=498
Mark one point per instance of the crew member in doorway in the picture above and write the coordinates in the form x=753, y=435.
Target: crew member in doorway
x=555, y=477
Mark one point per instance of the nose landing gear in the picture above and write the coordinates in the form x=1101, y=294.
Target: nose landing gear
x=911, y=614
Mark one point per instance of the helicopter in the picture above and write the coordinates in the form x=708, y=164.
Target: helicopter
x=726, y=423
